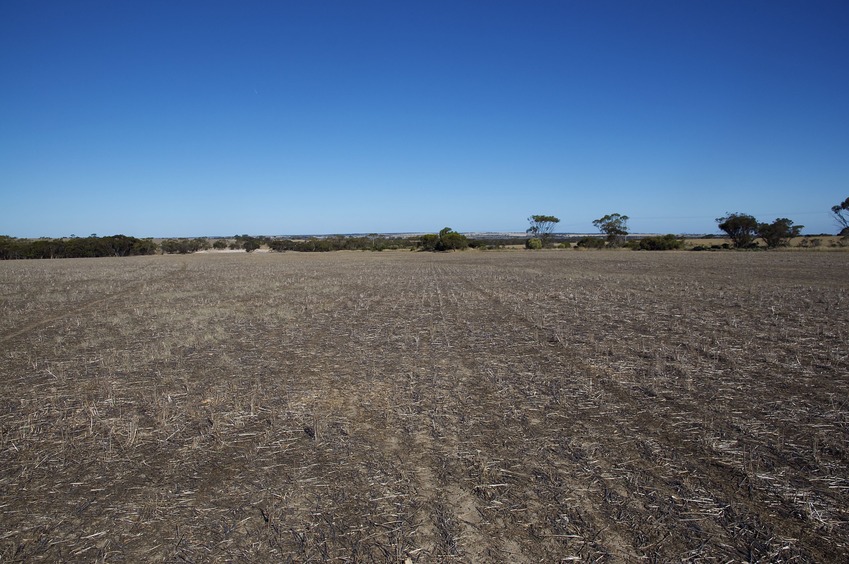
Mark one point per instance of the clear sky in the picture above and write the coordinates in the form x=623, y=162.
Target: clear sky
x=211, y=117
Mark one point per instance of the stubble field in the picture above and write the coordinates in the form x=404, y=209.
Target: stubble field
x=391, y=407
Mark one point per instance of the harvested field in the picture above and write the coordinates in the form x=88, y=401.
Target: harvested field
x=390, y=407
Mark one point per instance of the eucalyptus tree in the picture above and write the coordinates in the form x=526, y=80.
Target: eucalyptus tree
x=614, y=226
x=841, y=214
x=740, y=227
x=542, y=226
x=779, y=232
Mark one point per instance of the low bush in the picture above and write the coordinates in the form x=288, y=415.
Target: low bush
x=184, y=246
x=667, y=242
x=591, y=243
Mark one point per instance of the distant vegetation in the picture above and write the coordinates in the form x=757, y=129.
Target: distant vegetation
x=779, y=232
x=740, y=227
x=743, y=229
x=373, y=242
x=75, y=247
x=667, y=242
x=591, y=243
x=184, y=246
x=542, y=227
x=615, y=228
x=447, y=240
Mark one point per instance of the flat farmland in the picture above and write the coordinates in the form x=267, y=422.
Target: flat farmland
x=408, y=407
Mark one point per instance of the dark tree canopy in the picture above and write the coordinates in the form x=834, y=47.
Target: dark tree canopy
x=340, y=243
x=615, y=226
x=668, y=242
x=779, y=232
x=75, y=247
x=184, y=246
x=841, y=214
x=251, y=244
x=740, y=227
x=591, y=243
x=447, y=240
x=451, y=240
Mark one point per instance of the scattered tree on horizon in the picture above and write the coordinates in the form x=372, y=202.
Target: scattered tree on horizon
x=614, y=226
x=740, y=227
x=779, y=232
x=841, y=214
x=542, y=226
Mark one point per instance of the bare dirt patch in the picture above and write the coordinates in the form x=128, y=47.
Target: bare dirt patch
x=514, y=406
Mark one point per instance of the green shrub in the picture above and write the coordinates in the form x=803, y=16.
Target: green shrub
x=447, y=240
x=533, y=243
x=591, y=243
x=429, y=242
x=667, y=242
x=452, y=241
x=184, y=246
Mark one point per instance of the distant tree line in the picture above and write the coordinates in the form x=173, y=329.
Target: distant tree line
x=184, y=246
x=373, y=242
x=121, y=245
x=446, y=240
x=75, y=247
x=743, y=230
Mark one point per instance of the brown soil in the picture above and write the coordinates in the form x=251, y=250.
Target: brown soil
x=487, y=407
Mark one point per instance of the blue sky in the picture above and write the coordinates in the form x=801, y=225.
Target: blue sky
x=185, y=118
